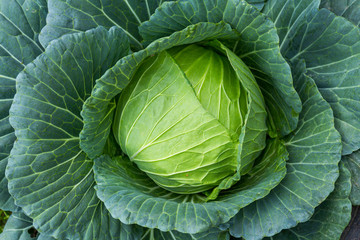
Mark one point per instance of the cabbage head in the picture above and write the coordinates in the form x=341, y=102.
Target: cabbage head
x=187, y=119
x=181, y=117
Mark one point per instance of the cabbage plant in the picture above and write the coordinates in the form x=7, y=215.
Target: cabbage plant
x=186, y=119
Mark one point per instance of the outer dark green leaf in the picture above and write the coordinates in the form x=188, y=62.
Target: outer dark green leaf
x=20, y=227
x=98, y=110
x=74, y=16
x=17, y=227
x=288, y=14
x=352, y=162
x=257, y=46
x=212, y=234
x=133, y=198
x=330, y=218
x=330, y=46
x=314, y=152
x=35, y=12
x=352, y=230
x=259, y=4
x=349, y=9
x=49, y=175
x=20, y=24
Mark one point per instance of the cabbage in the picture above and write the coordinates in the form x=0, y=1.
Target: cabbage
x=186, y=119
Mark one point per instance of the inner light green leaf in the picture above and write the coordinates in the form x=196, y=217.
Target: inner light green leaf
x=161, y=125
x=254, y=130
x=215, y=83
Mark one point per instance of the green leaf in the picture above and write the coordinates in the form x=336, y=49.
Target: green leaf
x=17, y=227
x=215, y=82
x=20, y=24
x=349, y=9
x=268, y=172
x=98, y=110
x=253, y=132
x=288, y=14
x=49, y=175
x=352, y=162
x=330, y=218
x=132, y=197
x=20, y=227
x=213, y=234
x=259, y=4
x=6, y=200
x=257, y=45
x=330, y=46
x=73, y=16
x=312, y=169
